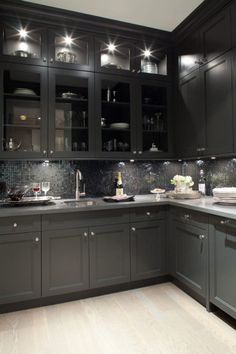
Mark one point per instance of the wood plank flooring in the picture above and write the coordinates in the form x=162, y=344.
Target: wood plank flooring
x=152, y=320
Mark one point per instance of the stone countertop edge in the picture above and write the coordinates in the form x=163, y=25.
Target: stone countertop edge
x=204, y=205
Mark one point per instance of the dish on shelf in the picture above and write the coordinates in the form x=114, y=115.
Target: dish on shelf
x=66, y=57
x=119, y=125
x=112, y=66
x=158, y=191
x=224, y=201
x=150, y=68
x=225, y=192
x=70, y=95
x=24, y=91
x=22, y=54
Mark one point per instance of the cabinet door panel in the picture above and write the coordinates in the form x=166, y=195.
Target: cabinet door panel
x=216, y=35
x=190, y=125
x=218, y=105
x=109, y=255
x=20, y=267
x=65, y=261
x=147, y=249
x=189, y=53
x=190, y=257
x=222, y=266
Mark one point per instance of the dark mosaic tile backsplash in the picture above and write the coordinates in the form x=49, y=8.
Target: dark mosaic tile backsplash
x=138, y=177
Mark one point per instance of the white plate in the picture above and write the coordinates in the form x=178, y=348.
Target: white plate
x=226, y=201
x=120, y=125
x=24, y=91
x=161, y=191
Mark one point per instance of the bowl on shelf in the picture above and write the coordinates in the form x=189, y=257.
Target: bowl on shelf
x=119, y=125
x=24, y=91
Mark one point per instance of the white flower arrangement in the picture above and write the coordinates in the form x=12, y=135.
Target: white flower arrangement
x=179, y=179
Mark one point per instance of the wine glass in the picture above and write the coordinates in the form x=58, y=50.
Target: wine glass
x=45, y=187
x=36, y=189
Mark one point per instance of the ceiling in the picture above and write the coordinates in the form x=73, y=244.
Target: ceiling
x=165, y=15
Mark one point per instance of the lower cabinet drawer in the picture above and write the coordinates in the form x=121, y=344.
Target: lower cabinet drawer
x=147, y=213
x=19, y=224
x=190, y=217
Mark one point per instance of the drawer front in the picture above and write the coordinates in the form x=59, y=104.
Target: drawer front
x=84, y=219
x=147, y=213
x=20, y=224
x=190, y=217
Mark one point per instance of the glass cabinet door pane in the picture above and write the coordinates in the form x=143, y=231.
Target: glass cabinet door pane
x=22, y=111
x=154, y=119
x=71, y=114
x=153, y=61
x=114, y=56
x=115, y=116
x=71, y=49
x=20, y=41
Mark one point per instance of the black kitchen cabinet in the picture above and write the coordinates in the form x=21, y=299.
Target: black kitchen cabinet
x=23, y=42
x=115, y=116
x=20, y=267
x=233, y=22
x=65, y=261
x=190, y=125
x=147, y=249
x=23, y=119
x=69, y=49
x=202, y=45
x=189, y=250
x=205, y=116
x=153, y=119
x=222, y=264
x=109, y=255
x=71, y=112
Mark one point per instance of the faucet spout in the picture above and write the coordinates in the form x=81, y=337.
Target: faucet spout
x=78, y=179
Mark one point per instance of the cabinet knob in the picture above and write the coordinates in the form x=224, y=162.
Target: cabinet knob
x=51, y=60
x=140, y=152
x=138, y=71
x=134, y=152
x=224, y=222
x=133, y=71
x=85, y=234
x=44, y=152
x=92, y=234
x=133, y=228
x=44, y=59
x=148, y=213
x=51, y=152
x=186, y=216
x=15, y=224
x=201, y=237
x=36, y=239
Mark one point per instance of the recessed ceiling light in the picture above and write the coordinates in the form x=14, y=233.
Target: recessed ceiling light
x=68, y=40
x=111, y=47
x=23, y=33
x=147, y=53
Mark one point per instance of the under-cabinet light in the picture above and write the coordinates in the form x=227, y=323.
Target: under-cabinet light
x=147, y=53
x=23, y=33
x=68, y=40
x=111, y=47
x=213, y=158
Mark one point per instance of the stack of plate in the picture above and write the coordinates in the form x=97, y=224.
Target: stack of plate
x=119, y=126
x=226, y=195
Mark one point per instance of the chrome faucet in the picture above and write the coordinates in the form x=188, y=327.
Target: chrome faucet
x=78, y=179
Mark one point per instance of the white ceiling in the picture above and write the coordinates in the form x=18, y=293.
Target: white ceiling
x=161, y=14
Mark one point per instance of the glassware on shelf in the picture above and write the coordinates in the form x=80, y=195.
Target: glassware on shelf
x=114, y=96
x=84, y=114
x=36, y=188
x=45, y=187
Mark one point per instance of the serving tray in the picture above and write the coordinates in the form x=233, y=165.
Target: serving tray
x=193, y=195
x=27, y=201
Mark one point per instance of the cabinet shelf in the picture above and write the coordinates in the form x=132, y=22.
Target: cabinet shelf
x=22, y=126
x=72, y=128
x=22, y=96
x=154, y=106
x=116, y=129
x=155, y=131
x=79, y=100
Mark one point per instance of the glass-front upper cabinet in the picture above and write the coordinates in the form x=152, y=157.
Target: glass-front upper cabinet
x=153, y=112
x=70, y=49
x=115, y=133
x=23, y=43
x=152, y=59
x=114, y=55
x=23, y=105
x=71, y=113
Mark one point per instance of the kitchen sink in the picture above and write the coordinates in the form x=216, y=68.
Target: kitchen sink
x=80, y=203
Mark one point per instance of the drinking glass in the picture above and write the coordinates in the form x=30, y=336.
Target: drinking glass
x=45, y=187
x=36, y=189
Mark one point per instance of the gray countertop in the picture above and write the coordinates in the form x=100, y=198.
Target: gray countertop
x=204, y=205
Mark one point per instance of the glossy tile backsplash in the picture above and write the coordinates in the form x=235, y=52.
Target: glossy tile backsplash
x=139, y=177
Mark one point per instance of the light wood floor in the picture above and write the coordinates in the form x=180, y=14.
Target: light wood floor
x=152, y=320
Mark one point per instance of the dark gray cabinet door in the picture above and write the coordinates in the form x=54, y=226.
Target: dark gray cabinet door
x=65, y=261
x=190, y=125
x=147, y=249
x=109, y=255
x=217, y=82
x=189, y=53
x=216, y=35
x=20, y=267
x=223, y=264
x=190, y=256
